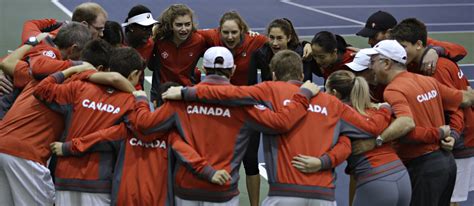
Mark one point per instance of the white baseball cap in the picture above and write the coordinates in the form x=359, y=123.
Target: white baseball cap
x=361, y=61
x=145, y=19
x=391, y=49
x=213, y=53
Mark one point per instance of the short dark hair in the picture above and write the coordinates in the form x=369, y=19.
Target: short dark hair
x=287, y=65
x=328, y=41
x=219, y=71
x=410, y=30
x=125, y=60
x=113, y=33
x=97, y=52
x=72, y=33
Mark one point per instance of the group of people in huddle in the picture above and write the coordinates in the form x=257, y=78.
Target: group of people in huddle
x=76, y=127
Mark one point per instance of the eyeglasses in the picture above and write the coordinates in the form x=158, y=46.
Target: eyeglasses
x=372, y=61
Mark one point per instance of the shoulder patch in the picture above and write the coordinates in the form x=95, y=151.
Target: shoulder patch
x=164, y=55
x=49, y=53
x=260, y=107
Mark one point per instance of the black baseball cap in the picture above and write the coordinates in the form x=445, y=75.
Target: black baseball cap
x=378, y=21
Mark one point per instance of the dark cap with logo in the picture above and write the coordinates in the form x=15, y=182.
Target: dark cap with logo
x=378, y=21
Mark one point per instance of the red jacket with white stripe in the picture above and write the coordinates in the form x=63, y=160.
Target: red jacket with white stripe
x=87, y=108
x=17, y=137
x=219, y=134
x=318, y=134
x=141, y=172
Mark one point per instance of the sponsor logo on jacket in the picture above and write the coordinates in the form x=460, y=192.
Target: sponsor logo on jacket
x=312, y=108
x=154, y=144
x=49, y=53
x=204, y=110
x=427, y=96
x=99, y=106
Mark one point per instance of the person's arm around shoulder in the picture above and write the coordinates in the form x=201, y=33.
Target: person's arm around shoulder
x=51, y=88
x=113, y=79
x=283, y=120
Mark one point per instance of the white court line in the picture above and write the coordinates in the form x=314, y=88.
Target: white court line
x=262, y=170
x=358, y=26
x=62, y=7
x=466, y=65
x=451, y=24
x=315, y=27
x=322, y=12
x=431, y=32
x=391, y=6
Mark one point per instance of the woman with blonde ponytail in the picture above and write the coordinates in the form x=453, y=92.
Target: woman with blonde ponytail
x=380, y=176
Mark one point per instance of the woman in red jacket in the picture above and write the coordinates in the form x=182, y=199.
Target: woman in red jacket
x=329, y=51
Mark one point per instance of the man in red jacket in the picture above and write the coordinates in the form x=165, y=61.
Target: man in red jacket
x=89, y=107
x=418, y=100
x=204, y=126
x=24, y=150
x=411, y=33
x=327, y=117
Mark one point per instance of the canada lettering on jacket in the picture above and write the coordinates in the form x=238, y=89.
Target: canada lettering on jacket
x=427, y=96
x=154, y=144
x=99, y=106
x=204, y=110
x=312, y=107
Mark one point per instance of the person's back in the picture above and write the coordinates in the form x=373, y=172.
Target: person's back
x=327, y=116
x=220, y=135
x=27, y=110
x=87, y=108
x=423, y=98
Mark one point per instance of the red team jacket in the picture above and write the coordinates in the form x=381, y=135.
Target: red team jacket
x=318, y=134
x=219, y=134
x=347, y=57
x=17, y=137
x=449, y=50
x=141, y=173
x=423, y=99
x=101, y=107
x=177, y=63
x=242, y=53
x=37, y=26
x=462, y=121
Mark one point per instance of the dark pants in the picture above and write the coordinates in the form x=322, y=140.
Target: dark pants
x=251, y=155
x=432, y=178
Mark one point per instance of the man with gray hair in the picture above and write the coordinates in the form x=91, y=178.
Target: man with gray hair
x=29, y=126
x=418, y=100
